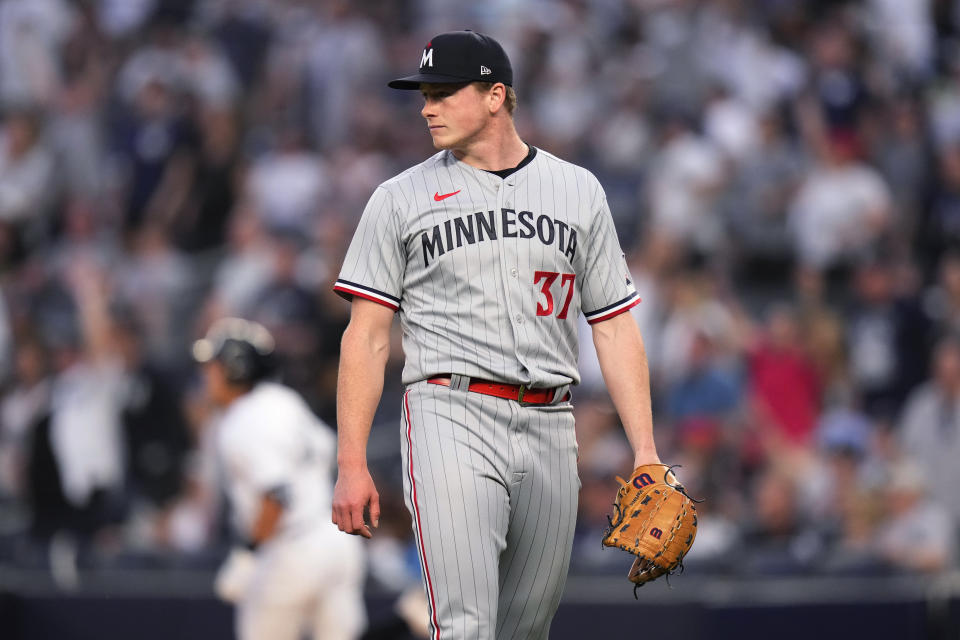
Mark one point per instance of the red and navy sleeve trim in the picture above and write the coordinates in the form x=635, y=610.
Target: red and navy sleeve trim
x=614, y=309
x=347, y=290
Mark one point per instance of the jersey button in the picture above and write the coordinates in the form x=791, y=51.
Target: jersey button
x=518, y=318
x=513, y=272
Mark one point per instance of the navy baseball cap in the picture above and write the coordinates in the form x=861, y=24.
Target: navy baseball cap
x=460, y=56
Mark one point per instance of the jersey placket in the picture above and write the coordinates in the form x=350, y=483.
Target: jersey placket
x=510, y=273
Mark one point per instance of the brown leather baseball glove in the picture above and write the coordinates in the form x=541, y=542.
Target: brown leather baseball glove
x=655, y=520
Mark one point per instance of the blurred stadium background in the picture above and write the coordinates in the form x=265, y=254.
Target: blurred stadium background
x=785, y=177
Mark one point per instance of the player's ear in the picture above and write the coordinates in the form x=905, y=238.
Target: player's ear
x=496, y=97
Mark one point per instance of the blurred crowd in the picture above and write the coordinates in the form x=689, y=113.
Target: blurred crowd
x=784, y=175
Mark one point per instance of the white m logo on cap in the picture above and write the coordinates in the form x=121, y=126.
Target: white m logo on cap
x=427, y=59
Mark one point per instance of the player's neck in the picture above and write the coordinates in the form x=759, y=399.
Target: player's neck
x=231, y=395
x=499, y=148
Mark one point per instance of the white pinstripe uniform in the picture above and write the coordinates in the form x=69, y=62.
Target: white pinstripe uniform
x=307, y=577
x=489, y=275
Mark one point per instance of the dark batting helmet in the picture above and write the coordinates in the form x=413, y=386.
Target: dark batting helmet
x=243, y=347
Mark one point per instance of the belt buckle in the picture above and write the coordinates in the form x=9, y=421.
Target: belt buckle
x=523, y=392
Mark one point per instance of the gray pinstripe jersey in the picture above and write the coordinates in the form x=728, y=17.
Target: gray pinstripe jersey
x=490, y=274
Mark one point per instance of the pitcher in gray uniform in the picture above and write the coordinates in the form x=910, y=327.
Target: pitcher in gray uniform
x=489, y=251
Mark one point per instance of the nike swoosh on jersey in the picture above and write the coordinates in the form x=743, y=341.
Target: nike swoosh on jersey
x=438, y=197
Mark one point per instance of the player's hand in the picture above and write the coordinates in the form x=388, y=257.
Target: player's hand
x=353, y=493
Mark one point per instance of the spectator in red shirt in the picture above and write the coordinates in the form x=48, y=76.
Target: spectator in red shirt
x=783, y=381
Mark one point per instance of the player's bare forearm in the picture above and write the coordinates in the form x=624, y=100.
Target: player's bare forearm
x=623, y=362
x=363, y=358
x=267, y=519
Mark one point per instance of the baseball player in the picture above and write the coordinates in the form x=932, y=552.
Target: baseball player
x=489, y=250
x=297, y=573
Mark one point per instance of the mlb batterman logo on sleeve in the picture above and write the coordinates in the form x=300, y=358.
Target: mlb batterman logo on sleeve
x=460, y=56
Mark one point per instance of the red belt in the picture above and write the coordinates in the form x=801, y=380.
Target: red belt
x=517, y=392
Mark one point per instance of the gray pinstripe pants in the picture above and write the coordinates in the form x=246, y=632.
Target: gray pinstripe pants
x=492, y=488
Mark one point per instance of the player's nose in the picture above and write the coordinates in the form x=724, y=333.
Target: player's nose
x=429, y=109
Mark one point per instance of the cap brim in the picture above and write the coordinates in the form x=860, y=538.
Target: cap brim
x=412, y=83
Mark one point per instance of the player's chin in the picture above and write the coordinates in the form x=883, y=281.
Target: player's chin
x=441, y=141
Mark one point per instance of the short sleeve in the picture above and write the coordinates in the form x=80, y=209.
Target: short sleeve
x=607, y=288
x=375, y=262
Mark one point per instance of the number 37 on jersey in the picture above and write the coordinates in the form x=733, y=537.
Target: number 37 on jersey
x=546, y=280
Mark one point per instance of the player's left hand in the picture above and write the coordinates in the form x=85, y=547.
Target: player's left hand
x=235, y=575
x=354, y=492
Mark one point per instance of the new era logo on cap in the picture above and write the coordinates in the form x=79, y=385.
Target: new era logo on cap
x=460, y=56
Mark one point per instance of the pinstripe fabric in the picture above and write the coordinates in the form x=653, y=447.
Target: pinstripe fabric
x=493, y=488
x=413, y=504
x=489, y=275
x=471, y=273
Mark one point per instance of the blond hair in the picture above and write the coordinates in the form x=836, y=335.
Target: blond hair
x=511, y=98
